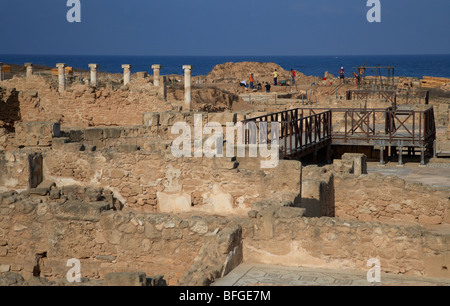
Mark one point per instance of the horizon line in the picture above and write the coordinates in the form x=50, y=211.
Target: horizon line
x=306, y=55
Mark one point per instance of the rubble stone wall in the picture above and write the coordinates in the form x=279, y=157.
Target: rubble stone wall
x=338, y=244
x=375, y=197
x=39, y=235
x=20, y=170
x=82, y=105
x=158, y=181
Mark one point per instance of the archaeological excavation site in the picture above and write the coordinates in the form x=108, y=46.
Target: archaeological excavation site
x=149, y=179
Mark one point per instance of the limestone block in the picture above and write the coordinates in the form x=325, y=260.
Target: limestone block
x=150, y=119
x=241, y=116
x=20, y=170
x=222, y=118
x=76, y=210
x=126, y=148
x=311, y=189
x=43, y=188
x=58, y=143
x=427, y=220
x=169, y=118
x=218, y=201
x=359, y=162
x=173, y=202
x=76, y=135
x=126, y=279
x=342, y=167
x=437, y=266
x=315, y=199
x=93, y=134
x=71, y=147
x=289, y=212
x=141, y=75
x=112, y=132
x=151, y=232
x=36, y=133
x=162, y=91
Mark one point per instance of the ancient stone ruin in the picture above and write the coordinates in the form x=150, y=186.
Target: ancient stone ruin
x=87, y=172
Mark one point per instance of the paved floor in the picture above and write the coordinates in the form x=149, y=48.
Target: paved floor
x=436, y=175
x=269, y=275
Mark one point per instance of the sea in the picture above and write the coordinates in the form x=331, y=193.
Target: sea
x=415, y=66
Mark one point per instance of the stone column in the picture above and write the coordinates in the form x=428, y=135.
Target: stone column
x=1, y=74
x=29, y=69
x=93, y=74
x=187, y=87
x=61, y=77
x=126, y=74
x=156, y=74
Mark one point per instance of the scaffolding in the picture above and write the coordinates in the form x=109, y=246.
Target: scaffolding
x=376, y=77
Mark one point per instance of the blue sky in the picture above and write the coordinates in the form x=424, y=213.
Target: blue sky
x=231, y=27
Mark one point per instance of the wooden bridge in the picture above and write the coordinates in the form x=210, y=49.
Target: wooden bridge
x=306, y=130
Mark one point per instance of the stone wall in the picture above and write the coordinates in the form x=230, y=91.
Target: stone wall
x=318, y=191
x=346, y=245
x=138, y=165
x=157, y=181
x=33, y=134
x=9, y=108
x=375, y=197
x=40, y=233
x=83, y=105
x=20, y=170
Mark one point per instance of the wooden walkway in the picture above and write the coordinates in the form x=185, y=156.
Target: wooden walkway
x=306, y=130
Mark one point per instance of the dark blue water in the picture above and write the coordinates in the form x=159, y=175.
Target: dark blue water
x=407, y=65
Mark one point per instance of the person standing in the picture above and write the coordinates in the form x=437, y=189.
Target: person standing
x=275, y=78
x=252, y=80
x=292, y=77
x=267, y=87
x=342, y=74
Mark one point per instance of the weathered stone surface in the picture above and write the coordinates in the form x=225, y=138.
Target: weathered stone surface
x=437, y=265
x=151, y=119
x=427, y=220
x=77, y=210
x=58, y=143
x=128, y=148
x=290, y=212
x=11, y=279
x=222, y=118
x=36, y=133
x=356, y=163
x=126, y=279
x=20, y=170
x=173, y=202
x=93, y=134
x=361, y=199
x=109, y=258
